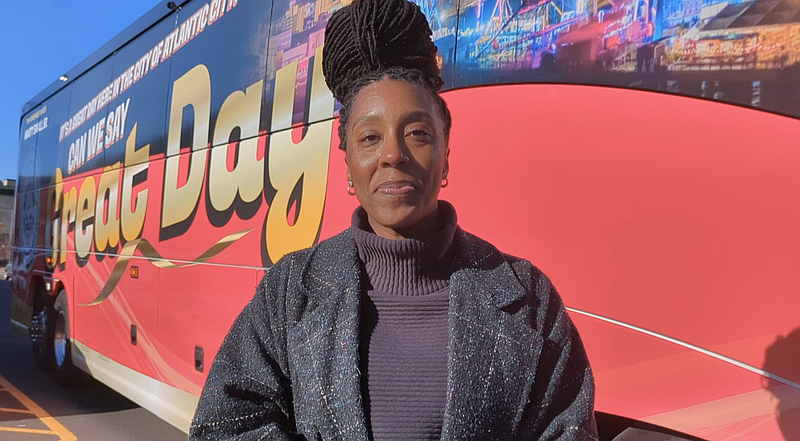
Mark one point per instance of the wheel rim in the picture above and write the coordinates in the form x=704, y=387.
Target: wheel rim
x=60, y=340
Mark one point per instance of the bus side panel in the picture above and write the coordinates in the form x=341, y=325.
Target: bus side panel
x=35, y=203
x=135, y=133
x=26, y=224
x=83, y=139
x=196, y=309
x=26, y=227
x=683, y=389
x=665, y=213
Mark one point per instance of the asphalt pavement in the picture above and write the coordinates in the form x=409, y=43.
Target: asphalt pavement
x=33, y=407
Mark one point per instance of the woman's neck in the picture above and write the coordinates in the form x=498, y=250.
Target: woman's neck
x=429, y=224
x=407, y=266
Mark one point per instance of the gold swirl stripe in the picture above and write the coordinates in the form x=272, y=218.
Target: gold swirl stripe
x=154, y=257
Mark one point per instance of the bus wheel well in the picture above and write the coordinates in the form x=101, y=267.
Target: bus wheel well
x=65, y=372
x=41, y=298
x=58, y=286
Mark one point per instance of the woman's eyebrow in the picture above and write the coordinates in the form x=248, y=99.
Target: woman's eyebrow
x=408, y=117
x=372, y=116
x=416, y=115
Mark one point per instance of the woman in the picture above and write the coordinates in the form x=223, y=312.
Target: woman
x=403, y=326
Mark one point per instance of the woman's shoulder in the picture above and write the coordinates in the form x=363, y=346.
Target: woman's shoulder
x=323, y=262
x=333, y=249
x=479, y=253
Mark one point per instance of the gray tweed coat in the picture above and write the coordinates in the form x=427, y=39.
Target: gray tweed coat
x=289, y=367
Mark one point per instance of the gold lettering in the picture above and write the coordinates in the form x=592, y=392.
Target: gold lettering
x=192, y=89
x=54, y=196
x=289, y=162
x=283, y=101
x=106, y=212
x=136, y=162
x=67, y=218
x=83, y=232
x=247, y=177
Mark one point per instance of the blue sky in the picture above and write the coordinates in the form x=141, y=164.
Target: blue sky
x=39, y=41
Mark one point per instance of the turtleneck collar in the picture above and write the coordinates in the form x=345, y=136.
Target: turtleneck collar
x=407, y=266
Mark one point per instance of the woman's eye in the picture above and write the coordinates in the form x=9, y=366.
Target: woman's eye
x=419, y=133
x=368, y=138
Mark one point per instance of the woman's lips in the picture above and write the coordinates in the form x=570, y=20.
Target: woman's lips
x=396, y=188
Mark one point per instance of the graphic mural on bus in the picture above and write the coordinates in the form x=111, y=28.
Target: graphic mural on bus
x=230, y=146
x=740, y=51
x=158, y=185
x=743, y=52
x=106, y=211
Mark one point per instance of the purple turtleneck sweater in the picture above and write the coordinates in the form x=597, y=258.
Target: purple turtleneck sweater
x=404, y=331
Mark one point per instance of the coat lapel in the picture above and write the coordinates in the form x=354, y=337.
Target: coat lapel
x=326, y=341
x=493, y=350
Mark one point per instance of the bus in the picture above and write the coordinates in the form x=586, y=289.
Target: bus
x=643, y=153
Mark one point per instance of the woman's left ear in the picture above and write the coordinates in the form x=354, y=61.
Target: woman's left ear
x=349, y=177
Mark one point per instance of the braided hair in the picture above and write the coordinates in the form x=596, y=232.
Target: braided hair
x=374, y=39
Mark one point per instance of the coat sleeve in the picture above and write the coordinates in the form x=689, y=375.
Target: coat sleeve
x=562, y=399
x=247, y=395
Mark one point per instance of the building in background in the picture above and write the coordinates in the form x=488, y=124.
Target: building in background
x=6, y=218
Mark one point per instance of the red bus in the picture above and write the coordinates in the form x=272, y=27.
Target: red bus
x=644, y=154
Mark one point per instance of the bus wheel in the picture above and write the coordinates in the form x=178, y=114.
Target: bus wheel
x=65, y=372
x=41, y=332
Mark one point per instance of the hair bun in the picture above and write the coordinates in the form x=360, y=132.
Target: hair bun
x=371, y=36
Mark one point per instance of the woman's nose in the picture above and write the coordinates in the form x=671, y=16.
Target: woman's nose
x=394, y=152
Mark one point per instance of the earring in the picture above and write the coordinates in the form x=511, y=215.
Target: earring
x=350, y=190
x=445, y=180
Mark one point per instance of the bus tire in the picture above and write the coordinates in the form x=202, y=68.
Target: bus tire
x=65, y=372
x=41, y=331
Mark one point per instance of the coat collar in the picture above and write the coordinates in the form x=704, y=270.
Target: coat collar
x=492, y=354
x=479, y=261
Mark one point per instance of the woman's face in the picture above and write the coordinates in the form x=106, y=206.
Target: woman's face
x=396, y=157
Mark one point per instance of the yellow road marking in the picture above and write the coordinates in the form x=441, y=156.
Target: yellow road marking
x=55, y=427
x=24, y=430
x=6, y=409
